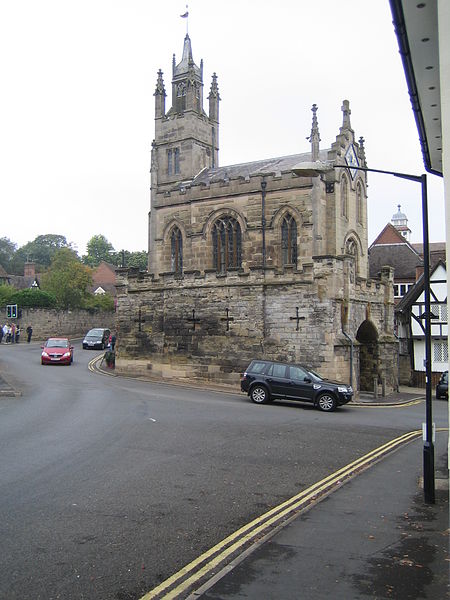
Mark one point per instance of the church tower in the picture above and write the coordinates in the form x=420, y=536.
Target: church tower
x=186, y=138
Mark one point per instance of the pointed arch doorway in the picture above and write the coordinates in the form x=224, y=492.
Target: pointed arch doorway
x=369, y=355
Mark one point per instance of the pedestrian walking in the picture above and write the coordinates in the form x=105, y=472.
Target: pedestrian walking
x=113, y=341
x=13, y=333
x=1, y=334
x=17, y=334
x=29, y=333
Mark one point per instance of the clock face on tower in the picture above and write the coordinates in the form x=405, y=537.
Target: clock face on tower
x=352, y=160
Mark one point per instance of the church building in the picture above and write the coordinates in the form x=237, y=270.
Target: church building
x=261, y=259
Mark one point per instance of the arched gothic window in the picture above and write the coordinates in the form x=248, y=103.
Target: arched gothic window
x=176, y=244
x=226, y=239
x=359, y=203
x=289, y=240
x=344, y=197
x=351, y=248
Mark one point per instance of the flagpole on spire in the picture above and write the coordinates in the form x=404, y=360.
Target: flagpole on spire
x=186, y=16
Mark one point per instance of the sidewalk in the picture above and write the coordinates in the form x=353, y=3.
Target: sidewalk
x=372, y=538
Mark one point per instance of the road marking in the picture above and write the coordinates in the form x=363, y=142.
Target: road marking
x=206, y=564
x=386, y=404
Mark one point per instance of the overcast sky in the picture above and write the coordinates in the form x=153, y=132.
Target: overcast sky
x=77, y=105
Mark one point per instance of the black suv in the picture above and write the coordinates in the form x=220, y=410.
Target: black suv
x=265, y=380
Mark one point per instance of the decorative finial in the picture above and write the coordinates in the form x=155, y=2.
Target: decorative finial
x=214, y=91
x=160, y=90
x=346, y=114
x=362, y=151
x=314, y=138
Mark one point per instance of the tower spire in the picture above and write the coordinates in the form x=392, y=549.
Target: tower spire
x=314, y=138
x=346, y=112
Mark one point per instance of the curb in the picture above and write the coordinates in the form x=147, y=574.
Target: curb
x=95, y=367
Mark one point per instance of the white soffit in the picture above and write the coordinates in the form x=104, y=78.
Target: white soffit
x=423, y=37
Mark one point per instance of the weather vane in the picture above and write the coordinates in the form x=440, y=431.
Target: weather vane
x=186, y=16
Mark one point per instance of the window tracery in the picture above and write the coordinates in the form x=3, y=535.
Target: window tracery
x=289, y=240
x=226, y=239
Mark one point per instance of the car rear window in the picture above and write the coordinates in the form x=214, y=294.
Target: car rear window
x=257, y=367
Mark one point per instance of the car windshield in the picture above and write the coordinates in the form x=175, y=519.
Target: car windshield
x=315, y=376
x=94, y=333
x=445, y=377
x=57, y=343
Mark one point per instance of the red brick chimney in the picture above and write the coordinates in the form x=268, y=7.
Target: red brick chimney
x=419, y=271
x=29, y=269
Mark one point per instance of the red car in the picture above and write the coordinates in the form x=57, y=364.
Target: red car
x=57, y=351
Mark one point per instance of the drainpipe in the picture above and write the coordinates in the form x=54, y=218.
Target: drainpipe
x=351, y=357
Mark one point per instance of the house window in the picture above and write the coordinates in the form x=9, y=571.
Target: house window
x=226, y=238
x=176, y=155
x=440, y=351
x=441, y=311
x=344, y=197
x=176, y=242
x=169, y=162
x=400, y=289
x=289, y=240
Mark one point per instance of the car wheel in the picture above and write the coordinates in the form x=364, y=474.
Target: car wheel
x=259, y=394
x=103, y=346
x=326, y=402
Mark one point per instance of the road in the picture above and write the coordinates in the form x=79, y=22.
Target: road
x=110, y=485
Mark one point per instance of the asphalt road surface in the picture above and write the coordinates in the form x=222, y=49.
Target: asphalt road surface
x=110, y=485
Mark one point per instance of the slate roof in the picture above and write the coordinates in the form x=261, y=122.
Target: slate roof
x=402, y=257
x=275, y=166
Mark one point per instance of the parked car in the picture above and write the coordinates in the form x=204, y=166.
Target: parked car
x=266, y=380
x=442, y=386
x=97, y=338
x=57, y=351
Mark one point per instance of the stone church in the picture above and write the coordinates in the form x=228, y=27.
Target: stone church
x=252, y=260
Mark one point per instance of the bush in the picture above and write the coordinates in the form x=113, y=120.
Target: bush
x=6, y=292
x=99, y=302
x=31, y=298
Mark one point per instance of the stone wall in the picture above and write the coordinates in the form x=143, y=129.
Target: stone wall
x=52, y=322
x=180, y=326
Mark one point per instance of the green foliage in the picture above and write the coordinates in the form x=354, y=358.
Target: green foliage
x=7, y=251
x=98, y=249
x=31, y=298
x=6, y=292
x=67, y=279
x=137, y=259
x=98, y=302
x=40, y=251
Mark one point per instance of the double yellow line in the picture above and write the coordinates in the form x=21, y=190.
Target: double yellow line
x=207, y=564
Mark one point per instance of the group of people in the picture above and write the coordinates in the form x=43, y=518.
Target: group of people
x=11, y=333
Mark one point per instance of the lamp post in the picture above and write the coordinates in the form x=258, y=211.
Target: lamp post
x=313, y=169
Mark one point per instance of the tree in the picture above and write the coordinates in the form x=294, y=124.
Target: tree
x=6, y=291
x=7, y=251
x=67, y=279
x=40, y=251
x=98, y=249
x=137, y=259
